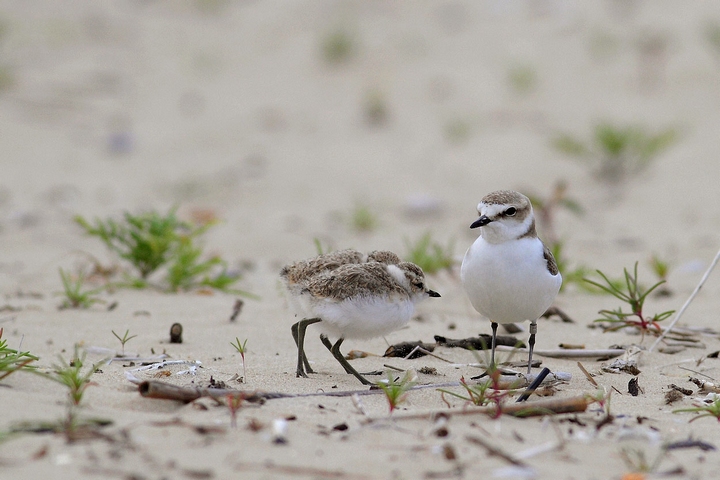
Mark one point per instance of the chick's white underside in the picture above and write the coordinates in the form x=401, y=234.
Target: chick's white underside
x=509, y=282
x=361, y=317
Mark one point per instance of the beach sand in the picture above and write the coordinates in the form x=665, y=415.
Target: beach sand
x=236, y=110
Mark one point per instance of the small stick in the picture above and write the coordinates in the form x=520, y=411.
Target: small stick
x=237, y=307
x=534, y=385
x=690, y=299
x=418, y=348
x=587, y=374
x=537, y=408
x=168, y=391
x=685, y=343
x=393, y=368
x=580, y=353
x=695, y=372
x=492, y=450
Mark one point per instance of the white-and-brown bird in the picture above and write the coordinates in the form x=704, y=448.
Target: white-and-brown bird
x=508, y=273
x=367, y=297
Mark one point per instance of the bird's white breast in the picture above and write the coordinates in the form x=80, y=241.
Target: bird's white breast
x=509, y=282
x=363, y=317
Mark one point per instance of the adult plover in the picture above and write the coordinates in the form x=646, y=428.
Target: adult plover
x=508, y=273
x=354, y=300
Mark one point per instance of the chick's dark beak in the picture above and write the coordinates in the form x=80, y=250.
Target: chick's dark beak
x=433, y=293
x=481, y=222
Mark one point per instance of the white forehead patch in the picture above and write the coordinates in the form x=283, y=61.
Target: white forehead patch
x=491, y=210
x=397, y=273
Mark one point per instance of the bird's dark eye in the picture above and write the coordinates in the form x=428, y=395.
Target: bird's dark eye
x=418, y=285
x=510, y=212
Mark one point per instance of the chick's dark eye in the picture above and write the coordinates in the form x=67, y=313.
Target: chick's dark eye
x=418, y=285
x=510, y=212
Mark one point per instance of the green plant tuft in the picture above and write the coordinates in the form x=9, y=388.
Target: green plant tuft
x=152, y=242
x=395, y=390
x=712, y=409
x=12, y=361
x=338, y=47
x=634, y=295
x=429, y=255
x=75, y=296
x=363, y=219
x=70, y=375
x=616, y=152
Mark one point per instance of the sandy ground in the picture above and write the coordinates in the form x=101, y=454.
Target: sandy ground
x=231, y=108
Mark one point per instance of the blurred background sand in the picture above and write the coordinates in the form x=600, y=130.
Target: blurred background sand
x=282, y=119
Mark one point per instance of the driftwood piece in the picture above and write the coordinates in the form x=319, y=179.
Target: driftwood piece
x=168, y=391
x=579, y=353
x=481, y=342
x=557, y=312
x=551, y=406
x=409, y=350
x=494, y=451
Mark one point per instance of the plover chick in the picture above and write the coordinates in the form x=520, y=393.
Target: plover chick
x=508, y=273
x=360, y=301
x=295, y=276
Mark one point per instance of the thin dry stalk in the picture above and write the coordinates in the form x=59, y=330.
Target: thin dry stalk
x=418, y=348
x=494, y=451
x=587, y=374
x=550, y=406
x=687, y=303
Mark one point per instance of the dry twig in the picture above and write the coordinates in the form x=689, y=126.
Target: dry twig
x=687, y=302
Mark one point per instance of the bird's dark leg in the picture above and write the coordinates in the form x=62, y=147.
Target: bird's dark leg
x=294, y=330
x=494, y=326
x=531, y=344
x=325, y=341
x=298, y=333
x=335, y=350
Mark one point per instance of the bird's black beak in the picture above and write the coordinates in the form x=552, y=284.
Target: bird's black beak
x=433, y=293
x=481, y=222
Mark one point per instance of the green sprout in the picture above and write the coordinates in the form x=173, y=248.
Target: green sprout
x=522, y=78
x=636, y=460
x=635, y=296
x=363, y=219
x=429, y=255
x=661, y=269
x=395, y=390
x=375, y=108
x=319, y=247
x=546, y=208
x=338, y=47
x=234, y=401
x=187, y=270
x=487, y=392
x=571, y=274
x=13, y=360
x=458, y=130
x=124, y=339
x=710, y=410
x=70, y=375
x=241, y=349
x=75, y=296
